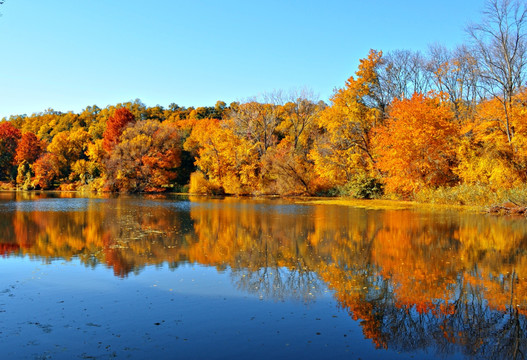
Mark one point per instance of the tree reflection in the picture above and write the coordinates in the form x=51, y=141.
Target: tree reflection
x=414, y=280
x=278, y=283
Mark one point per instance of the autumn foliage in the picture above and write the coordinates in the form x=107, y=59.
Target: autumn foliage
x=415, y=147
x=29, y=148
x=47, y=171
x=9, y=136
x=115, y=126
x=403, y=125
x=345, y=150
x=146, y=158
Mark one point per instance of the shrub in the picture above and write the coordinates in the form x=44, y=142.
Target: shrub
x=361, y=186
x=200, y=185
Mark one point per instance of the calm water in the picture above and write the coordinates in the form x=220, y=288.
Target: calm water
x=168, y=277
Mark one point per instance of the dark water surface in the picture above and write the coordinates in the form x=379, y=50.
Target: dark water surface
x=178, y=277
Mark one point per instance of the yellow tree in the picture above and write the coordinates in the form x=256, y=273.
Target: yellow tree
x=345, y=148
x=229, y=163
x=486, y=155
x=69, y=147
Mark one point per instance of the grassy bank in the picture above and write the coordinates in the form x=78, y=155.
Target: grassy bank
x=473, y=195
x=462, y=197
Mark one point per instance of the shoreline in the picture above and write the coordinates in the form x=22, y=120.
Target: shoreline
x=371, y=204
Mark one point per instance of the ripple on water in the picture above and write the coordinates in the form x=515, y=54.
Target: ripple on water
x=49, y=205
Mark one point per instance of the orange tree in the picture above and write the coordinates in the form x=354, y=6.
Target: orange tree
x=145, y=158
x=28, y=149
x=415, y=147
x=115, y=127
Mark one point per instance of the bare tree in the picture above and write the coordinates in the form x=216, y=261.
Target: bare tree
x=403, y=74
x=301, y=110
x=257, y=122
x=456, y=74
x=500, y=47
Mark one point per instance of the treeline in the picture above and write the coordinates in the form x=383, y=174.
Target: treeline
x=408, y=124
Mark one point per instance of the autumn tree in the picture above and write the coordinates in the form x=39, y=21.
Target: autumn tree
x=500, y=45
x=456, y=74
x=299, y=116
x=286, y=167
x=257, y=122
x=88, y=120
x=415, y=147
x=47, y=171
x=50, y=123
x=229, y=163
x=220, y=110
x=345, y=148
x=145, y=158
x=29, y=148
x=485, y=156
x=9, y=137
x=69, y=147
x=115, y=126
x=287, y=171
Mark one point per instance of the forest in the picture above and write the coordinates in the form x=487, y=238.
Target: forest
x=446, y=125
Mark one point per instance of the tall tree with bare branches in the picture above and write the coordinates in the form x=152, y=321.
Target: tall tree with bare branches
x=500, y=46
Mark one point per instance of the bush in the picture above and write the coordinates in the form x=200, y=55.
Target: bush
x=361, y=186
x=200, y=185
x=178, y=188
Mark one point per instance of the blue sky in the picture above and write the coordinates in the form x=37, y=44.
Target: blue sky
x=68, y=54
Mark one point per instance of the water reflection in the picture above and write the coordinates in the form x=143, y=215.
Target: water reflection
x=446, y=282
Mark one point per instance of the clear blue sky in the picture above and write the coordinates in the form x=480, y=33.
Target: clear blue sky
x=68, y=54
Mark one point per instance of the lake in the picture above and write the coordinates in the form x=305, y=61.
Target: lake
x=190, y=277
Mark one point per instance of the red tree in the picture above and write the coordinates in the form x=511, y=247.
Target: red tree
x=46, y=170
x=9, y=136
x=29, y=148
x=115, y=127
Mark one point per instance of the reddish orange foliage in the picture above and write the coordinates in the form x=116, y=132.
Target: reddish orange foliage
x=146, y=158
x=9, y=136
x=46, y=170
x=6, y=249
x=416, y=148
x=29, y=148
x=115, y=127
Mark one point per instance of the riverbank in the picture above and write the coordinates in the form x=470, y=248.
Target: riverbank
x=474, y=198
